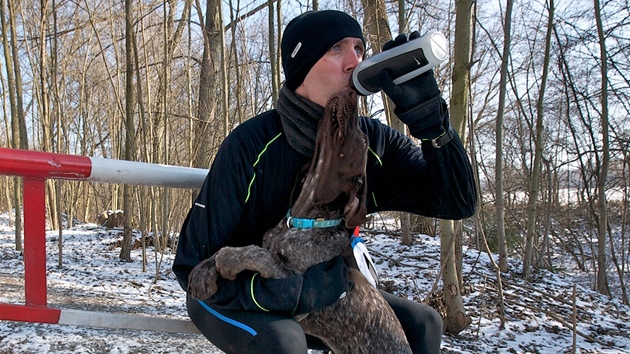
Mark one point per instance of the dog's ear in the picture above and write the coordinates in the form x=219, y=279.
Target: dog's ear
x=356, y=209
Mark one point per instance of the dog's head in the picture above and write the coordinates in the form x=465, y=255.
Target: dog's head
x=340, y=159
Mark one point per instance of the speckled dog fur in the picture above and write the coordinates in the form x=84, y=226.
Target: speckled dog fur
x=334, y=187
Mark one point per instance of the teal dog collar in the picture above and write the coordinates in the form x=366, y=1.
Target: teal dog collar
x=300, y=223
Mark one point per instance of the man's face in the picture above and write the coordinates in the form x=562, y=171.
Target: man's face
x=331, y=74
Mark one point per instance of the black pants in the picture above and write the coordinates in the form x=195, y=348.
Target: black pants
x=262, y=332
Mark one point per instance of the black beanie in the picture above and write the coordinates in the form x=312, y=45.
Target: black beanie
x=309, y=36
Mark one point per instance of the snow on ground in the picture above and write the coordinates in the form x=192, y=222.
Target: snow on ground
x=538, y=313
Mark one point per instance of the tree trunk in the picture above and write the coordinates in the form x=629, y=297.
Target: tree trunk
x=402, y=24
x=19, y=135
x=462, y=49
x=535, y=176
x=424, y=225
x=58, y=138
x=46, y=123
x=602, y=279
x=457, y=319
x=21, y=119
x=15, y=128
x=237, y=68
x=208, y=83
x=275, y=74
x=125, y=249
x=405, y=218
x=499, y=203
x=376, y=25
x=224, y=76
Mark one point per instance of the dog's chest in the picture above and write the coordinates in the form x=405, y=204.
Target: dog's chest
x=298, y=249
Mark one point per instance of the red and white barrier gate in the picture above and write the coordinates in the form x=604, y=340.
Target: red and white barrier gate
x=36, y=167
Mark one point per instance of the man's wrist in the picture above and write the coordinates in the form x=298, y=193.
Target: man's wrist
x=427, y=120
x=442, y=139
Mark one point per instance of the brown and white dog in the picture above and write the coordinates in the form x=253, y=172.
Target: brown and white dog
x=334, y=188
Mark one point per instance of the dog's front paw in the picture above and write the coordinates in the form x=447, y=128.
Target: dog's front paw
x=229, y=262
x=202, y=281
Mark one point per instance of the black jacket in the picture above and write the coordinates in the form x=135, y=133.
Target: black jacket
x=256, y=175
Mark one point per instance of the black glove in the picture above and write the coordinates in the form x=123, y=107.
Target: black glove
x=410, y=93
x=323, y=285
x=320, y=286
x=418, y=102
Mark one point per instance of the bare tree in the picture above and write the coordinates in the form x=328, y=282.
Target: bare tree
x=208, y=82
x=237, y=71
x=499, y=203
x=405, y=218
x=273, y=58
x=535, y=174
x=376, y=25
x=18, y=120
x=58, y=137
x=602, y=279
x=223, y=76
x=130, y=148
x=456, y=317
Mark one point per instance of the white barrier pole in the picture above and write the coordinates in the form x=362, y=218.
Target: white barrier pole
x=141, y=173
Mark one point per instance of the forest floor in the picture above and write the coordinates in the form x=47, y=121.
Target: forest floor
x=538, y=313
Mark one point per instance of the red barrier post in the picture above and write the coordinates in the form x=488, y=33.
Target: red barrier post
x=35, y=241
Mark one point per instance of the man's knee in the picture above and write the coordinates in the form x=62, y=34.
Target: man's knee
x=284, y=336
x=422, y=324
x=247, y=331
x=429, y=319
x=425, y=332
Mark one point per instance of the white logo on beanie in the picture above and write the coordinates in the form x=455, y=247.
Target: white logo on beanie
x=296, y=50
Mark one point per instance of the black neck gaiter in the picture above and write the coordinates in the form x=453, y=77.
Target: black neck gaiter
x=300, y=118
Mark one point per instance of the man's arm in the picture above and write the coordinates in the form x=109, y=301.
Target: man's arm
x=449, y=184
x=320, y=286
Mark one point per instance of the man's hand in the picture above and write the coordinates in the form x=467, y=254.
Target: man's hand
x=411, y=93
x=324, y=283
x=320, y=286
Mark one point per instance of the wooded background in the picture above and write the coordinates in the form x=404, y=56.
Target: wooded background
x=538, y=90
